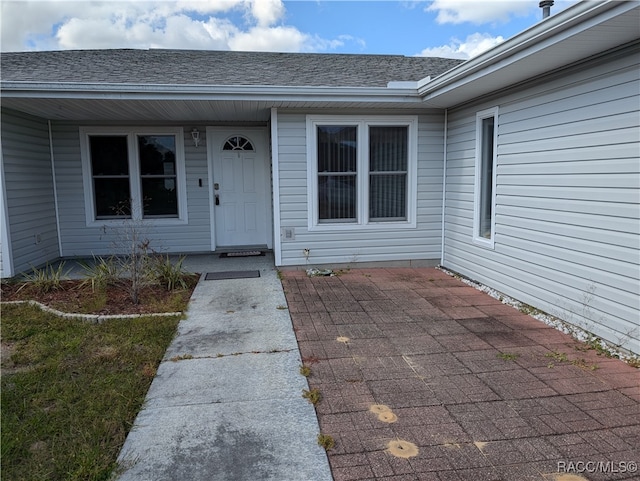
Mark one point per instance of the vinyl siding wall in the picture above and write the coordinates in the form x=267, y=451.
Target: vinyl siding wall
x=568, y=193
x=29, y=190
x=414, y=245
x=79, y=240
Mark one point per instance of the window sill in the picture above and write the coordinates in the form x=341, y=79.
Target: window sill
x=372, y=226
x=485, y=243
x=173, y=221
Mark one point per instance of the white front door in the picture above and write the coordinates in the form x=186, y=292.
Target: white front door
x=240, y=187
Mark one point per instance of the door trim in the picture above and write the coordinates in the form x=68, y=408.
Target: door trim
x=260, y=137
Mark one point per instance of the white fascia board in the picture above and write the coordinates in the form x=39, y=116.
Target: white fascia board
x=207, y=92
x=542, y=35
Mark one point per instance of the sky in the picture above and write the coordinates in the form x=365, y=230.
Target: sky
x=440, y=28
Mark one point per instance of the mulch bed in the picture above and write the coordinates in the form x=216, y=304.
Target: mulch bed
x=73, y=294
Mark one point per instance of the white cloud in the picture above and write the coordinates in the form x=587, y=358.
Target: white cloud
x=479, y=11
x=267, y=12
x=472, y=46
x=176, y=31
x=186, y=24
x=279, y=39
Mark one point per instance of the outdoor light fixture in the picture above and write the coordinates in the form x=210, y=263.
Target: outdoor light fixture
x=195, y=135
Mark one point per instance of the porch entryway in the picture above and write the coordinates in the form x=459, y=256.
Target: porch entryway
x=240, y=187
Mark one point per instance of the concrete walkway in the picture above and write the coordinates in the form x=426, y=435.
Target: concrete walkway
x=226, y=403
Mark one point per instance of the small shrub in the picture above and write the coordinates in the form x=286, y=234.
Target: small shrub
x=169, y=274
x=46, y=279
x=100, y=273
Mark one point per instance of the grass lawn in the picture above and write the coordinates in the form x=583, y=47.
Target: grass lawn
x=72, y=389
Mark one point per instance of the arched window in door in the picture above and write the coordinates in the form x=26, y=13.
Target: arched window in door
x=238, y=143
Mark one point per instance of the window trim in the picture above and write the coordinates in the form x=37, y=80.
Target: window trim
x=135, y=177
x=362, y=177
x=477, y=191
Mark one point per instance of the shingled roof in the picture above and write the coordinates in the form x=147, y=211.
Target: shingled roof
x=202, y=67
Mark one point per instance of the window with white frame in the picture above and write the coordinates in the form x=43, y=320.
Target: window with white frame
x=362, y=172
x=485, y=177
x=133, y=174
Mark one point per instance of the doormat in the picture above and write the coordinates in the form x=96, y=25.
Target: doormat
x=242, y=254
x=218, y=276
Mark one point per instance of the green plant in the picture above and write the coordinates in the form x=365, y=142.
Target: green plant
x=313, y=395
x=169, y=274
x=101, y=272
x=508, y=356
x=46, y=279
x=557, y=356
x=182, y=357
x=305, y=370
x=326, y=441
x=584, y=365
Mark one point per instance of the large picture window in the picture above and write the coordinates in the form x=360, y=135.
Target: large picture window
x=362, y=172
x=133, y=174
x=485, y=178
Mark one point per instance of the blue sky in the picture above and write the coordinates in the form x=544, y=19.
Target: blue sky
x=447, y=28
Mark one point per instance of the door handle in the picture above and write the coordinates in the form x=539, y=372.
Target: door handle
x=217, y=199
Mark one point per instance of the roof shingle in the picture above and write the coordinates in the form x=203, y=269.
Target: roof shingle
x=203, y=67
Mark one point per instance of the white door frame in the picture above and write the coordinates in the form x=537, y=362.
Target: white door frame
x=259, y=136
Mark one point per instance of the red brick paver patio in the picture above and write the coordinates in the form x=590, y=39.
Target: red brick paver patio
x=483, y=391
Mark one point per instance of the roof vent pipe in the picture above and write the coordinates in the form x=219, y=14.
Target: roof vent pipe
x=546, y=5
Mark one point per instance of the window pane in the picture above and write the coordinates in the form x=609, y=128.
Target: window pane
x=337, y=165
x=486, y=179
x=110, y=172
x=112, y=197
x=157, y=154
x=158, y=171
x=388, y=149
x=159, y=197
x=337, y=148
x=388, y=197
x=337, y=197
x=109, y=155
x=388, y=161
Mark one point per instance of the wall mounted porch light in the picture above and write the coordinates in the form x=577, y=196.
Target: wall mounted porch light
x=195, y=135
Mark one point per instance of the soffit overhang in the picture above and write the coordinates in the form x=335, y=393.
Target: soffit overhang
x=202, y=103
x=580, y=32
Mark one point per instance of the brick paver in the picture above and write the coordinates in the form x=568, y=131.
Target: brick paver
x=484, y=391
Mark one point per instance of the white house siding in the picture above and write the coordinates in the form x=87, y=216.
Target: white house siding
x=416, y=245
x=29, y=190
x=567, y=237
x=79, y=240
